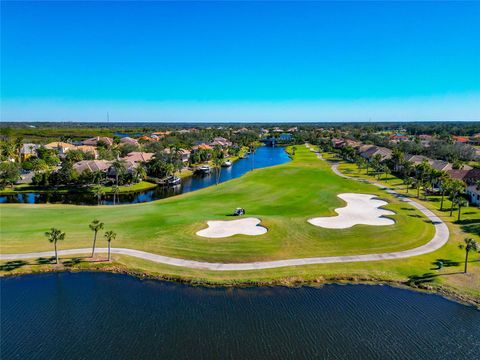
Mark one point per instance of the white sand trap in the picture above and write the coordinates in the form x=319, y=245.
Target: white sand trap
x=361, y=209
x=220, y=229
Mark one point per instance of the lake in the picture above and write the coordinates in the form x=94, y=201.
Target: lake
x=111, y=316
x=263, y=157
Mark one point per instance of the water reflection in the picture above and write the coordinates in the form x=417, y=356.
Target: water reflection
x=263, y=157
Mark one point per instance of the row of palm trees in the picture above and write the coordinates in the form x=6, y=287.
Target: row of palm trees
x=55, y=235
x=421, y=176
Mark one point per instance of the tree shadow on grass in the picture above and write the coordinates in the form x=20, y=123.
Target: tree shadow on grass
x=421, y=279
x=44, y=261
x=473, y=228
x=72, y=262
x=439, y=263
x=12, y=265
x=416, y=280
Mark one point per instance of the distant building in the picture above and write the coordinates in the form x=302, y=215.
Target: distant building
x=98, y=139
x=398, y=137
x=129, y=140
x=221, y=141
x=88, y=149
x=92, y=165
x=384, y=153
x=137, y=156
x=201, y=146
x=473, y=193
x=61, y=147
x=28, y=150
x=460, y=139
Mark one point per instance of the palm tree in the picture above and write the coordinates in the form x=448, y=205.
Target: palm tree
x=217, y=162
x=408, y=181
x=109, y=236
x=8, y=150
x=18, y=148
x=115, y=192
x=140, y=173
x=398, y=158
x=444, y=183
x=95, y=226
x=456, y=188
x=422, y=171
x=169, y=169
x=53, y=236
x=120, y=168
x=461, y=202
x=360, y=162
x=386, y=171
x=470, y=245
x=98, y=192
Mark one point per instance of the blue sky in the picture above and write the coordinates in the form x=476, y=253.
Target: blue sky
x=208, y=61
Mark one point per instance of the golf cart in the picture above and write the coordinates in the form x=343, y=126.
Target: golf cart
x=239, y=211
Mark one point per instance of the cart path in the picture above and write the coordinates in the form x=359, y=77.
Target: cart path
x=439, y=239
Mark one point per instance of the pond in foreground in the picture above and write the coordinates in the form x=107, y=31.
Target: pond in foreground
x=109, y=316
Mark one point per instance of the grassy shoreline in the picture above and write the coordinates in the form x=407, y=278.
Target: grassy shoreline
x=119, y=268
x=288, y=235
x=123, y=189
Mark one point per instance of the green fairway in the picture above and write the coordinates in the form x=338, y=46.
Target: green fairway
x=283, y=197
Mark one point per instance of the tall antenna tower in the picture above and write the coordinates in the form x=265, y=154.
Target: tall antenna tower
x=108, y=117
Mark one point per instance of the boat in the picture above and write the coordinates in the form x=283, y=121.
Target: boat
x=204, y=169
x=173, y=180
x=227, y=163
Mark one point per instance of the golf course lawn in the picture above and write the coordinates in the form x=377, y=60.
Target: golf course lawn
x=283, y=197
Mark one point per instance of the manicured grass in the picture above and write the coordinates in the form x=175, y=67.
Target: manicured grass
x=469, y=226
x=26, y=188
x=283, y=197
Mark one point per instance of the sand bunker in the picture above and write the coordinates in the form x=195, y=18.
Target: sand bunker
x=220, y=229
x=361, y=209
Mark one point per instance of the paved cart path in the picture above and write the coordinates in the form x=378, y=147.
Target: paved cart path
x=439, y=239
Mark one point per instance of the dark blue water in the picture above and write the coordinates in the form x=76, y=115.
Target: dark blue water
x=263, y=157
x=108, y=316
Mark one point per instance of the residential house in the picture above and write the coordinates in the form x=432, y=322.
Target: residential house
x=138, y=157
x=201, y=146
x=440, y=165
x=425, y=140
x=460, y=139
x=28, y=150
x=473, y=193
x=338, y=143
x=145, y=138
x=98, y=139
x=416, y=159
x=373, y=151
x=92, y=165
x=183, y=153
x=474, y=140
x=88, y=149
x=128, y=140
x=220, y=141
x=61, y=147
x=398, y=137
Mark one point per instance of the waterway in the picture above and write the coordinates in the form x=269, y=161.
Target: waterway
x=110, y=316
x=263, y=157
